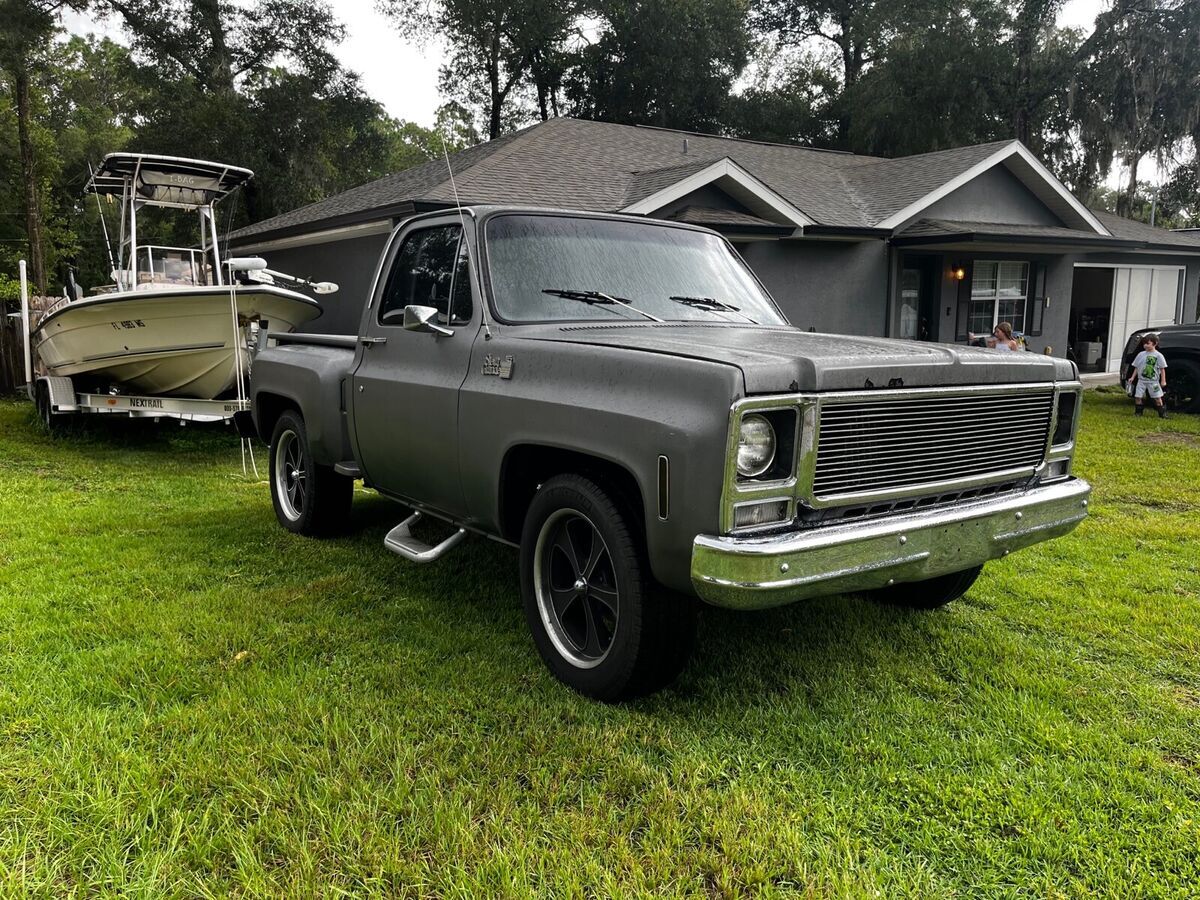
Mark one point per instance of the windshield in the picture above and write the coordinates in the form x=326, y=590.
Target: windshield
x=549, y=268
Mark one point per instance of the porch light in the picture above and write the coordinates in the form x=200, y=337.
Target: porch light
x=958, y=273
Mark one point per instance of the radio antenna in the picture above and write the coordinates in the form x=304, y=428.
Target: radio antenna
x=487, y=332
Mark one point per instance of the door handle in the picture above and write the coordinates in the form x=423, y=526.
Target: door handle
x=372, y=340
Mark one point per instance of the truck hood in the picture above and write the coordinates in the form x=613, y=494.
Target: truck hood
x=778, y=359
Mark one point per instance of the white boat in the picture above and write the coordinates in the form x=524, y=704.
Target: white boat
x=177, y=322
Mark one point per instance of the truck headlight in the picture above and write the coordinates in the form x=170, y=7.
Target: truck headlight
x=756, y=446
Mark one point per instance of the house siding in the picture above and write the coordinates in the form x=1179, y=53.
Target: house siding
x=351, y=263
x=832, y=286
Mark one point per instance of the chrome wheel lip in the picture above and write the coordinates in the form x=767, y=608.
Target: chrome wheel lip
x=290, y=477
x=550, y=620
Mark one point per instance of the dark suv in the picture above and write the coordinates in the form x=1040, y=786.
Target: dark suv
x=1180, y=344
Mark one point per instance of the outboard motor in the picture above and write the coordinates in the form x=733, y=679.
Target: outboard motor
x=71, y=286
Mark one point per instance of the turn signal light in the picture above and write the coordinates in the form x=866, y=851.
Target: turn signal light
x=760, y=513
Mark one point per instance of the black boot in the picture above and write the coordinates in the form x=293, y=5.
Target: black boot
x=1162, y=412
x=1138, y=410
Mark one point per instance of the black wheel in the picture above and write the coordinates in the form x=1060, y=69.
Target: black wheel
x=1183, y=386
x=308, y=498
x=929, y=594
x=52, y=422
x=598, y=620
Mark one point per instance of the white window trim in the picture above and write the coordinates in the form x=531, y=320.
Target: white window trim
x=997, y=298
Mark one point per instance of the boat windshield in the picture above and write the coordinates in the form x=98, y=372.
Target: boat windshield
x=552, y=268
x=158, y=266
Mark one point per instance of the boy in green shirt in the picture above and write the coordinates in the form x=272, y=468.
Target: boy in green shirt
x=1150, y=372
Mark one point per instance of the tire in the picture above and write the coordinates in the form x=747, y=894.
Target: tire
x=52, y=422
x=929, y=594
x=1183, y=386
x=599, y=622
x=309, y=499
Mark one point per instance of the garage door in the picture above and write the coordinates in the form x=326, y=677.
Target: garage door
x=1143, y=297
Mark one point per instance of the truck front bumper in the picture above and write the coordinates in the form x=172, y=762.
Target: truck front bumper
x=758, y=572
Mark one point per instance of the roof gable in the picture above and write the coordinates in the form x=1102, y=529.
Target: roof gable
x=927, y=182
x=735, y=181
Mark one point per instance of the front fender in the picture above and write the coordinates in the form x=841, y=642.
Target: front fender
x=625, y=407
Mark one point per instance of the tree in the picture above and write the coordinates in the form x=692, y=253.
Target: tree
x=858, y=31
x=934, y=89
x=1139, y=93
x=670, y=63
x=258, y=86
x=786, y=101
x=25, y=37
x=496, y=48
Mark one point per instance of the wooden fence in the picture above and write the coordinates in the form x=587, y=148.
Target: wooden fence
x=12, y=353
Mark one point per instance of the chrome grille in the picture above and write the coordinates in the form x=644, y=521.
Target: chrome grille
x=875, y=445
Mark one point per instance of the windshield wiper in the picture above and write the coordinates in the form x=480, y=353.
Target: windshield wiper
x=712, y=304
x=598, y=298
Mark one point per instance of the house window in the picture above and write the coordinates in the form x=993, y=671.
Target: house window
x=998, y=292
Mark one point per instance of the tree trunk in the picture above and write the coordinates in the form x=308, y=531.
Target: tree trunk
x=1126, y=197
x=33, y=212
x=852, y=66
x=1022, y=123
x=219, y=63
x=496, y=99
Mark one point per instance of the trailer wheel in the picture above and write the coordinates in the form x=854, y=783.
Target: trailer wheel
x=52, y=422
x=308, y=498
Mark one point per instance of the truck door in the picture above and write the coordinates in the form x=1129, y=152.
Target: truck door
x=404, y=391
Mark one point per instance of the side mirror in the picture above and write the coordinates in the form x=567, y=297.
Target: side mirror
x=423, y=318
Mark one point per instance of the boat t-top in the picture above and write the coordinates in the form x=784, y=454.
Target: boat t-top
x=176, y=321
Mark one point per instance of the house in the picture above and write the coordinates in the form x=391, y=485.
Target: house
x=926, y=247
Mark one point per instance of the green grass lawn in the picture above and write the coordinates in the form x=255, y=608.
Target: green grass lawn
x=196, y=702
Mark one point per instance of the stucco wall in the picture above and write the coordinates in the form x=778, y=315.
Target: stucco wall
x=994, y=196
x=832, y=286
x=351, y=263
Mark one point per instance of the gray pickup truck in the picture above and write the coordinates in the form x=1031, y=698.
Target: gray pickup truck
x=622, y=400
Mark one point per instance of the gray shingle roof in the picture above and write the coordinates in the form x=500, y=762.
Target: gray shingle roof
x=1130, y=230
x=388, y=191
x=592, y=165
x=886, y=186
x=605, y=167
x=951, y=228
x=651, y=181
x=700, y=215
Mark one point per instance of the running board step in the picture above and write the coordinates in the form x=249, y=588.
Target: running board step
x=349, y=467
x=400, y=541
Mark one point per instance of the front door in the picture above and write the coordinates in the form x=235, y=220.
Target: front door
x=917, y=301
x=405, y=389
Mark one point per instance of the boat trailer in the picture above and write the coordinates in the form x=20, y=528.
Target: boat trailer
x=55, y=395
